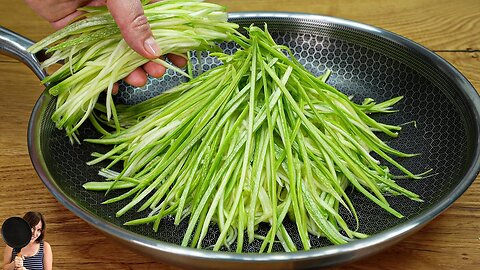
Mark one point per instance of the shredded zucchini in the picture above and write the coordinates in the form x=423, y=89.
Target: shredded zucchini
x=258, y=139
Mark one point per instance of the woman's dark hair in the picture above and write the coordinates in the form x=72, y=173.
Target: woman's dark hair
x=32, y=218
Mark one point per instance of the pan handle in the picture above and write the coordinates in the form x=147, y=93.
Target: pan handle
x=15, y=46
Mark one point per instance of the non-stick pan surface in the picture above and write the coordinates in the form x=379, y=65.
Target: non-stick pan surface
x=440, y=114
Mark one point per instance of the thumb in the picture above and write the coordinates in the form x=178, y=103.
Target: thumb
x=129, y=16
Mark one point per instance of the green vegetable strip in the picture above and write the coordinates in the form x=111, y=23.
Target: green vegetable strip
x=270, y=171
x=256, y=140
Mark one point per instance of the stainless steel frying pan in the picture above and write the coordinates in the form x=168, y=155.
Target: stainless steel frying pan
x=366, y=62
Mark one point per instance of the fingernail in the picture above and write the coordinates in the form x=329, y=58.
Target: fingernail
x=151, y=46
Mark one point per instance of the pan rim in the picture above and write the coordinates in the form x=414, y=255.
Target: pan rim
x=359, y=248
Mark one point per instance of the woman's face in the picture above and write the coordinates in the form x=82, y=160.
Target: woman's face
x=36, y=231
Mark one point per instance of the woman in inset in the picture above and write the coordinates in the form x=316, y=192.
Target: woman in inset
x=37, y=255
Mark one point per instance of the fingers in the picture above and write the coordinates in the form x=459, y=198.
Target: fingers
x=59, y=13
x=129, y=16
x=177, y=60
x=18, y=262
x=115, y=88
x=58, y=24
x=154, y=69
x=137, y=78
x=136, y=31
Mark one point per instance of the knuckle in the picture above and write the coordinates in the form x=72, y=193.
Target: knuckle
x=140, y=23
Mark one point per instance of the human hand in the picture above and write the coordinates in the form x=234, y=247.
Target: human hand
x=128, y=14
x=18, y=262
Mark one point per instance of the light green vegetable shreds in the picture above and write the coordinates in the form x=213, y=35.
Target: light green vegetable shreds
x=256, y=140
x=95, y=55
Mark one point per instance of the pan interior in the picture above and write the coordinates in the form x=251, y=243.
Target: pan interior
x=436, y=124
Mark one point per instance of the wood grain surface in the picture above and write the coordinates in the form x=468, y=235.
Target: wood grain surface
x=451, y=241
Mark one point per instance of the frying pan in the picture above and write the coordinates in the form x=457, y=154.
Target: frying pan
x=366, y=62
x=16, y=233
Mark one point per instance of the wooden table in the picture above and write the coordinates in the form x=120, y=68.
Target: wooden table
x=451, y=241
